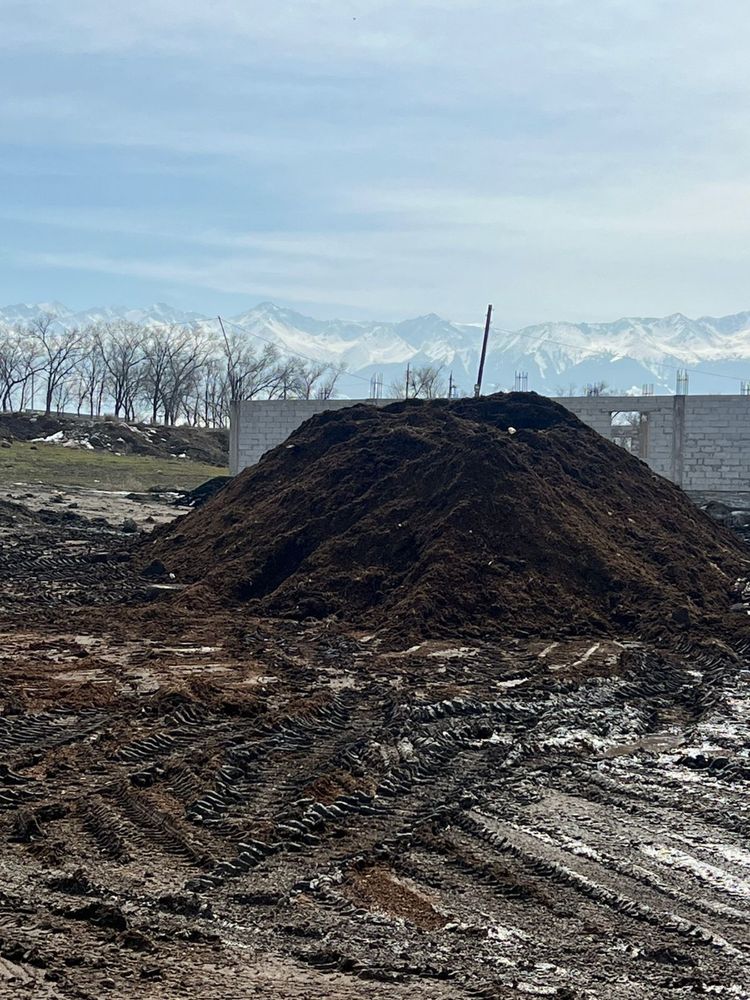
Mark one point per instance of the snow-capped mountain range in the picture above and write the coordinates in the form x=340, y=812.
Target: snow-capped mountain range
x=559, y=358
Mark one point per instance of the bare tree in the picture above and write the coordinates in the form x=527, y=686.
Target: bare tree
x=307, y=375
x=314, y=379
x=186, y=361
x=64, y=393
x=211, y=402
x=428, y=382
x=249, y=374
x=120, y=347
x=92, y=374
x=156, y=350
x=326, y=385
x=59, y=350
x=19, y=363
x=283, y=380
x=425, y=382
x=174, y=359
x=173, y=373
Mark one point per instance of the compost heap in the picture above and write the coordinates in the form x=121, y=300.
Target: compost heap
x=474, y=517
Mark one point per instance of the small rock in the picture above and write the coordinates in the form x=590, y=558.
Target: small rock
x=680, y=616
x=129, y=526
x=155, y=570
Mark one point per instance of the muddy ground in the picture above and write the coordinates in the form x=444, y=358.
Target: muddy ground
x=197, y=805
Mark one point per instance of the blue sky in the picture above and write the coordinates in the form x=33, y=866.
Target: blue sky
x=565, y=159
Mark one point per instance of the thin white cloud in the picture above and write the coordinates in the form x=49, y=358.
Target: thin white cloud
x=362, y=246
x=233, y=275
x=587, y=157
x=703, y=210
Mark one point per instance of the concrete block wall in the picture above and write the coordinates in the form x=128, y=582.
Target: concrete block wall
x=716, y=443
x=702, y=443
x=257, y=425
x=596, y=411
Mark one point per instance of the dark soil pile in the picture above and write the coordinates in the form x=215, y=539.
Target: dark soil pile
x=203, y=493
x=115, y=435
x=470, y=517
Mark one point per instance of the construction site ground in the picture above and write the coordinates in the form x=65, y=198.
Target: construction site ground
x=220, y=806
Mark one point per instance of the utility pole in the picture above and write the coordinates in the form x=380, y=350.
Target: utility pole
x=478, y=386
x=408, y=372
x=450, y=386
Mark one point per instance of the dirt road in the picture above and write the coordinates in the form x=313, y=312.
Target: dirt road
x=192, y=805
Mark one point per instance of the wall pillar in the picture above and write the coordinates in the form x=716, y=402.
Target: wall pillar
x=678, y=440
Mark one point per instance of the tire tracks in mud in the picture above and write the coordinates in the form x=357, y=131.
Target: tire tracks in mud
x=292, y=806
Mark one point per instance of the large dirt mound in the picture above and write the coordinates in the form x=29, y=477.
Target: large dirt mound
x=473, y=517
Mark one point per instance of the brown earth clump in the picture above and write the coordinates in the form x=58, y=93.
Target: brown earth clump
x=500, y=515
x=380, y=890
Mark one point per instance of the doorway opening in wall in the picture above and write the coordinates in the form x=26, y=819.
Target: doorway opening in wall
x=630, y=431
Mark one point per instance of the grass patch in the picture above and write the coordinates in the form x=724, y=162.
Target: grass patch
x=54, y=465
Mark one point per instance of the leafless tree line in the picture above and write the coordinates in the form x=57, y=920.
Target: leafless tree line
x=167, y=374
x=423, y=382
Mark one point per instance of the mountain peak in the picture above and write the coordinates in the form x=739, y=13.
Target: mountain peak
x=270, y=308
x=558, y=357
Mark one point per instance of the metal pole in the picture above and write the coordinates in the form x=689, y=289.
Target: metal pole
x=406, y=396
x=478, y=386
